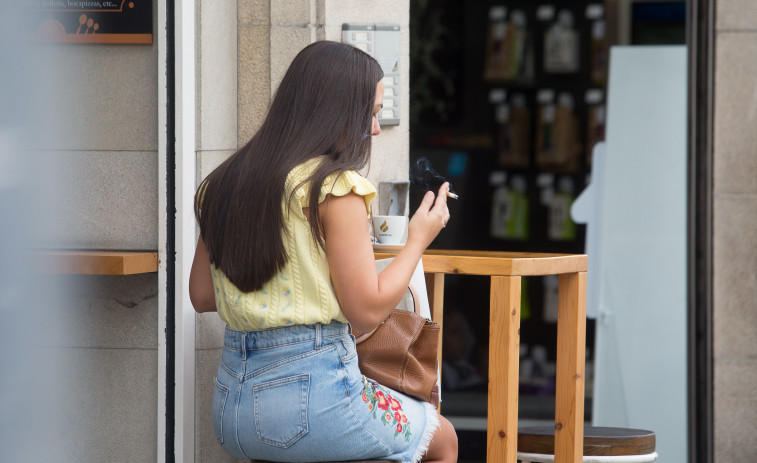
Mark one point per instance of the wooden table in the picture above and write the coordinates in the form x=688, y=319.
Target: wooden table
x=506, y=270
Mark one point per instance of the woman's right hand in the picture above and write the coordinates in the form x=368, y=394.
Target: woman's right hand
x=432, y=215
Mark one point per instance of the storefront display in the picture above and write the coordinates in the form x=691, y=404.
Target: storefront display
x=530, y=107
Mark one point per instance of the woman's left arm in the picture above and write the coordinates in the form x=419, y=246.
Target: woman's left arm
x=201, y=281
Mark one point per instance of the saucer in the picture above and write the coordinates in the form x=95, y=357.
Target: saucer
x=387, y=247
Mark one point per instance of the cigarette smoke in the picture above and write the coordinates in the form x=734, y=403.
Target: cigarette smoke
x=424, y=176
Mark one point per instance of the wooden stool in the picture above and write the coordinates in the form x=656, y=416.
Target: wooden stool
x=601, y=445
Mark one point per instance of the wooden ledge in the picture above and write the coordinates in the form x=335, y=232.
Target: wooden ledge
x=81, y=262
x=497, y=263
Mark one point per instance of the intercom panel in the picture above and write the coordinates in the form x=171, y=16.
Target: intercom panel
x=383, y=42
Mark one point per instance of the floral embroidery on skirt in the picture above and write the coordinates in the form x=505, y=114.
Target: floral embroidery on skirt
x=386, y=407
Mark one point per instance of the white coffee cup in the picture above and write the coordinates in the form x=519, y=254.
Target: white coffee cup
x=390, y=229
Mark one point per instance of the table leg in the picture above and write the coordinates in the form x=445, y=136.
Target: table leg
x=435, y=287
x=571, y=359
x=504, y=347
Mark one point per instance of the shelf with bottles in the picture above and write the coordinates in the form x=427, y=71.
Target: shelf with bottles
x=530, y=44
x=491, y=57
x=552, y=131
x=526, y=108
x=533, y=210
x=545, y=67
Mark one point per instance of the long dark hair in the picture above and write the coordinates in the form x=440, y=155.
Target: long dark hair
x=323, y=107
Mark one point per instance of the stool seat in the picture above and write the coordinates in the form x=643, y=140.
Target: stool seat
x=598, y=441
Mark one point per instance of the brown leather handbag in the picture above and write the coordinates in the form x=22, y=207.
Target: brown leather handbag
x=401, y=353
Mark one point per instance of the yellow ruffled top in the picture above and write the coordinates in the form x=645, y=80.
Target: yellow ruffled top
x=301, y=294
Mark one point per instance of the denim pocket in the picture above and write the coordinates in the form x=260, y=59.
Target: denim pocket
x=220, y=394
x=281, y=410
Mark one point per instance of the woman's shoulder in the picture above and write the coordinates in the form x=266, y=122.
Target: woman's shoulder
x=338, y=183
x=349, y=181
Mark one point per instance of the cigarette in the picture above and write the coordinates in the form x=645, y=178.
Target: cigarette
x=452, y=195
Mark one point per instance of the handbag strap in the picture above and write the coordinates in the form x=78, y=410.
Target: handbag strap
x=416, y=300
x=364, y=336
x=416, y=309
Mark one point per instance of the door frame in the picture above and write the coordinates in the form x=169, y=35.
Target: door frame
x=700, y=40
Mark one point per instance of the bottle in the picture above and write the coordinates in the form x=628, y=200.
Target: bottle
x=517, y=224
x=561, y=44
x=509, y=216
x=565, y=133
x=598, y=54
x=514, y=132
x=500, y=205
x=545, y=133
x=561, y=226
x=497, y=45
x=517, y=27
x=551, y=285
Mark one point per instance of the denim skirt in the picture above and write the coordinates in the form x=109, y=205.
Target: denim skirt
x=296, y=394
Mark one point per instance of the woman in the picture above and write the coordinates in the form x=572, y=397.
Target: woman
x=286, y=259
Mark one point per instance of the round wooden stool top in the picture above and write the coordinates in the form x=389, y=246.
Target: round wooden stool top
x=597, y=441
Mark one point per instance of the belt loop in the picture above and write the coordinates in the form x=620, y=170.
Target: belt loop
x=244, y=346
x=318, y=336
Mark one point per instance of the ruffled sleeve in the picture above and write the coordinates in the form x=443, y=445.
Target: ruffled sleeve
x=346, y=182
x=337, y=184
